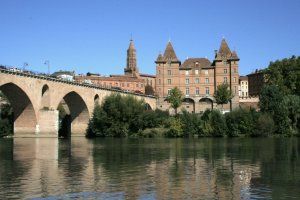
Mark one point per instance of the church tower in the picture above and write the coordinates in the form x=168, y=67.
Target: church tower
x=131, y=64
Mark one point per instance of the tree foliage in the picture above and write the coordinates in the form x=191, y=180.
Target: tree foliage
x=223, y=94
x=149, y=90
x=285, y=74
x=175, y=98
x=122, y=116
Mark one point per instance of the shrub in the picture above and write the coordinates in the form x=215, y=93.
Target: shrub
x=265, y=126
x=241, y=122
x=175, y=127
x=191, y=123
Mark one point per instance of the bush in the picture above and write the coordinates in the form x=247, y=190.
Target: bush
x=241, y=122
x=191, y=123
x=265, y=126
x=213, y=124
x=6, y=120
x=175, y=127
x=151, y=133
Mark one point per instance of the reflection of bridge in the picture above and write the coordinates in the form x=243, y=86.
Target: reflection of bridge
x=35, y=100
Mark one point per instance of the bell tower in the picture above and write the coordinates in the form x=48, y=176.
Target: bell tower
x=131, y=64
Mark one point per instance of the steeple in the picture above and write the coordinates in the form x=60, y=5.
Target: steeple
x=170, y=54
x=131, y=65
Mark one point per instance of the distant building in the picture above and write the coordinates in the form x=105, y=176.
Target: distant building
x=197, y=78
x=131, y=81
x=64, y=75
x=243, y=87
x=256, y=81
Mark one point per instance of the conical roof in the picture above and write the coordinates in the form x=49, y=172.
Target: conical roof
x=159, y=58
x=224, y=49
x=234, y=56
x=170, y=53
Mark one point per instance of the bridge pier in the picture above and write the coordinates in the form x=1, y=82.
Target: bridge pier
x=48, y=123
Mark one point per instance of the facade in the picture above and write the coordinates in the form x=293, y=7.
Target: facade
x=256, y=81
x=197, y=78
x=131, y=81
x=243, y=87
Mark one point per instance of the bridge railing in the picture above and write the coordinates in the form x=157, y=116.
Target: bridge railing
x=35, y=74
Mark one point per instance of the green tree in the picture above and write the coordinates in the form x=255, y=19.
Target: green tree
x=149, y=90
x=223, y=94
x=175, y=98
x=271, y=100
x=285, y=74
x=118, y=116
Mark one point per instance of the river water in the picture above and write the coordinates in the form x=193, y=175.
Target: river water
x=204, y=168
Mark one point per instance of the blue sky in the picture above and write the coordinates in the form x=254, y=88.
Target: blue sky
x=93, y=35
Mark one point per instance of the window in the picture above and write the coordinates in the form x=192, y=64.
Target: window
x=159, y=81
x=142, y=85
x=235, y=70
x=242, y=82
x=225, y=79
x=117, y=84
x=206, y=80
x=225, y=62
x=234, y=89
x=206, y=72
x=234, y=79
x=197, y=80
x=169, y=81
x=169, y=91
x=169, y=72
x=187, y=81
x=197, y=91
x=242, y=93
x=207, y=90
x=137, y=85
x=196, y=71
x=246, y=83
x=246, y=94
x=186, y=72
x=128, y=84
x=187, y=91
x=158, y=71
x=225, y=71
x=123, y=85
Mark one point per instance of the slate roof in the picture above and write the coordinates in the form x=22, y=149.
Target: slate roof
x=191, y=63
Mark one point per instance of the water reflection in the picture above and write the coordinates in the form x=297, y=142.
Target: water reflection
x=149, y=168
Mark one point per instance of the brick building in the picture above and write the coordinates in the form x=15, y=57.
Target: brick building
x=132, y=80
x=256, y=81
x=197, y=78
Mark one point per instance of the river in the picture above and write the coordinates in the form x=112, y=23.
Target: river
x=204, y=168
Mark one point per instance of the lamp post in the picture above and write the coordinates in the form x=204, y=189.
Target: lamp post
x=25, y=64
x=47, y=62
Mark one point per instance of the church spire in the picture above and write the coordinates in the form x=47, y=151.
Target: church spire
x=131, y=64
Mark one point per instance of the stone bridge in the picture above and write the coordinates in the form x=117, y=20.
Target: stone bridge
x=35, y=100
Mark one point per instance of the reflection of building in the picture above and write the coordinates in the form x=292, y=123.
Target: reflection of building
x=131, y=81
x=243, y=87
x=197, y=78
x=256, y=81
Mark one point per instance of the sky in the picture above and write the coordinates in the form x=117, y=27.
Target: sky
x=93, y=35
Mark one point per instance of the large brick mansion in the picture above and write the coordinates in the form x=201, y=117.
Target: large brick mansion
x=197, y=78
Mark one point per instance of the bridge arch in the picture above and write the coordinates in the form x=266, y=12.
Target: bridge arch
x=76, y=115
x=45, y=103
x=96, y=99
x=148, y=107
x=25, y=119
